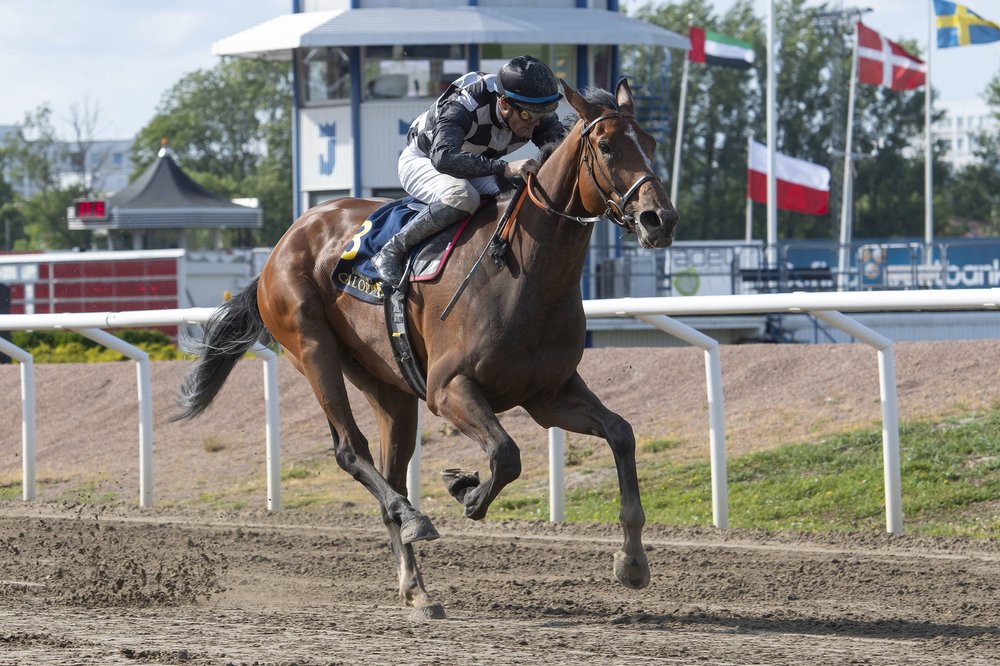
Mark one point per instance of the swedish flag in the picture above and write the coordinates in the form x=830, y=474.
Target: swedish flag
x=957, y=25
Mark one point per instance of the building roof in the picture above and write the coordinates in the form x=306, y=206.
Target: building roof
x=276, y=38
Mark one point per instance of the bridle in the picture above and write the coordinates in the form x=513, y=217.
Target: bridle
x=615, y=211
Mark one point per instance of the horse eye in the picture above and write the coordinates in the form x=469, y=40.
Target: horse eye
x=605, y=147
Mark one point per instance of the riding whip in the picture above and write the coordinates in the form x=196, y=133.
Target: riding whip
x=503, y=220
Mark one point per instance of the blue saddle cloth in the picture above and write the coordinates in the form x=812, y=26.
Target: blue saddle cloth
x=354, y=272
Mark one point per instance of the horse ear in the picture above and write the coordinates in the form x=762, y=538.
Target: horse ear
x=575, y=99
x=623, y=95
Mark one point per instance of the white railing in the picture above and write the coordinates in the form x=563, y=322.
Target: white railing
x=828, y=307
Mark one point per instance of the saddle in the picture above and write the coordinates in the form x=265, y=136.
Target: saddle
x=355, y=275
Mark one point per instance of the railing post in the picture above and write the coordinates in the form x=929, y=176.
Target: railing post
x=145, y=395
x=28, y=473
x=272, y=427
x=890, y=411
x=716, y=408
x=413, y=469
x=557, y=475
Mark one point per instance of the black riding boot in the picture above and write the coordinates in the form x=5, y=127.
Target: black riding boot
x=390, y=259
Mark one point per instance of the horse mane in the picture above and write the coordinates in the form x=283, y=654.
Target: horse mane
x=594, y=97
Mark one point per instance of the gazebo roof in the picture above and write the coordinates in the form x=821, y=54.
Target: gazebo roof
x=166, y=197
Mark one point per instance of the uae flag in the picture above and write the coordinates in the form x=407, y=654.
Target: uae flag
x=712, y=48
x=883, y=62
x=802, y=186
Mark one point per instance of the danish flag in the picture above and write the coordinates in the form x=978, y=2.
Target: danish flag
x=883, y=62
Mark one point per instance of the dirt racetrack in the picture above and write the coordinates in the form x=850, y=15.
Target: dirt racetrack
x=176, y=587
x=107, y=583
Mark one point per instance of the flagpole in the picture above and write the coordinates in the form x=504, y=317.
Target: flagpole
x=928, y=149
x=846, y=204
x=749, y=231
x=675, y=173
x=772, y=188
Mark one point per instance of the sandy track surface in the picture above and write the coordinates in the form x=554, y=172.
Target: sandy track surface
x=92, y=586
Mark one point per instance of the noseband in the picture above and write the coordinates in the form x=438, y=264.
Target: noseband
x=612, y=210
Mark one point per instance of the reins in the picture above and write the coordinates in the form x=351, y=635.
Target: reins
x=587, y=159
x=501, y=237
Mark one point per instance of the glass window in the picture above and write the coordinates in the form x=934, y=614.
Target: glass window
x=601, y=77
x=561, y=58
x=325, y=74
x=391, y=72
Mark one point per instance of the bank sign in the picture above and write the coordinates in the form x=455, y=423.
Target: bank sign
x=957, y=267
x=956, y=263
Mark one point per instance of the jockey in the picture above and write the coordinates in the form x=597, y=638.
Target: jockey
x=453, y=149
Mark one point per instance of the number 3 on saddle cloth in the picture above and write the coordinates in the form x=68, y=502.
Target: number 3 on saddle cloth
x=354, y=272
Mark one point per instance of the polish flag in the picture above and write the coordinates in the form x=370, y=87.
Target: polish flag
x=802, y=186
x=883, y=62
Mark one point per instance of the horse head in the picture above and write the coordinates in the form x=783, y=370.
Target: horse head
x=616, y=175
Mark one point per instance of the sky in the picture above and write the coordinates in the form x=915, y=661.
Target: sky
x=120, y=56
x=958, y=74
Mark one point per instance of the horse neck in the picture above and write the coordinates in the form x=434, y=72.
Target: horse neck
x=558, y=245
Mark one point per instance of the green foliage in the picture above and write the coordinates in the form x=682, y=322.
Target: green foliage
x=950, y=484
x=230, y=129
x=972, y=203
x=656, y=445
x=297, y=472
x=52, y=346
x=724, y=106
x=35, y=156
x=212, y=444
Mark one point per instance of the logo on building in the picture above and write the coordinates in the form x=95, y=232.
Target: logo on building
x=327, y=131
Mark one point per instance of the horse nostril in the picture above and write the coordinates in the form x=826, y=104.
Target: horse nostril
x=650, y=219
x=656, y=218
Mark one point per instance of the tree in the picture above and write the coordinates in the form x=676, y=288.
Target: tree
x=722, y=105
x=84, y=123
x=813, y=64
x=972, y=201
x=230, y=129
x=38, y=159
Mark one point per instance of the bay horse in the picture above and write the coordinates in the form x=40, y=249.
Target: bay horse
x=514, y=339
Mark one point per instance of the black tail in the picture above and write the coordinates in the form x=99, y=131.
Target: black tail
x=232, y=331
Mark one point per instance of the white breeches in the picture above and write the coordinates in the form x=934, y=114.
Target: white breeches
x=421, y=180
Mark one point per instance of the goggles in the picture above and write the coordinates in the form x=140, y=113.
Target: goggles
x=524, y=114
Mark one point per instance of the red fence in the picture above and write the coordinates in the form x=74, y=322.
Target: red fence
x=92, y=281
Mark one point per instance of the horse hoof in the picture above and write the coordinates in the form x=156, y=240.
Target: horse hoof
x=418, y=528
x=459, y=482
x=434, y=611
x=632, y=571
x=475, y=511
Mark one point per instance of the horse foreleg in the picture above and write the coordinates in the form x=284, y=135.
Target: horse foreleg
x=575, y=408
x=462, y=403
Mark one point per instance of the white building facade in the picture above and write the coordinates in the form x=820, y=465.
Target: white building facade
x=961, y=129
x=364, y=69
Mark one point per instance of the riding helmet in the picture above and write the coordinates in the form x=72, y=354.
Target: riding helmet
x=530, y=84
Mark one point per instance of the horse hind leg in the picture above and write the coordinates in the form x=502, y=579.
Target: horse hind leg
x=396, y=413
x=318, y=354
